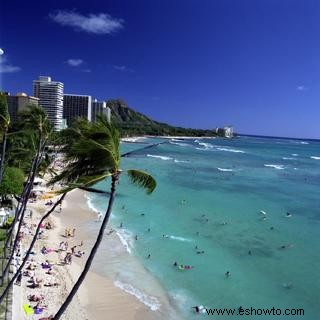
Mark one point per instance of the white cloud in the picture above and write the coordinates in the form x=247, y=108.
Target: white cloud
x=302, y=88
x=6, y=67
x=74, y=62
x=100, y=23
x=123, y=68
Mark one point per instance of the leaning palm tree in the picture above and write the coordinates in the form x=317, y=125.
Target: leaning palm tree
x=28, y=252
x=93, y=157
x=33, y=123
x=4, y=126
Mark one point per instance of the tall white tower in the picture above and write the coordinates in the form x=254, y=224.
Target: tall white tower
x=50, y=94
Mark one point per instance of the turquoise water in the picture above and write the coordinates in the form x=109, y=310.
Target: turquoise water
x=210, y=193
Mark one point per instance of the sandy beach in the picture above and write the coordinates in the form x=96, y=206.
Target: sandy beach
x=98, y=296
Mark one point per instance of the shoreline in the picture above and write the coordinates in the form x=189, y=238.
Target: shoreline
x=137, y=139
x=124, y=301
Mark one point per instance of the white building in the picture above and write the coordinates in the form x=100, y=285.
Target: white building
x=100, y=108
x=50, y=94
x=228, y=131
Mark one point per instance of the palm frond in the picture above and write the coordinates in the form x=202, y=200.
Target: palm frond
x=142, y=179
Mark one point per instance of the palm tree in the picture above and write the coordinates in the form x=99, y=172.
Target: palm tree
x=35, y=124
x=25, y=258
x=4, y=126
x=93, y=157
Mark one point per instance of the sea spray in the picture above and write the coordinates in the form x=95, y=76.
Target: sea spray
x=150, y=301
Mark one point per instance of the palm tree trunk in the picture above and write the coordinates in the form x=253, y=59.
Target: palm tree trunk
x=23, y=208
x=4, y=144
x=94, y=249
x=34, y=239
x=19, y=206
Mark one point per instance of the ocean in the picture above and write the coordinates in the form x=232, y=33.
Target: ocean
x=248, y=206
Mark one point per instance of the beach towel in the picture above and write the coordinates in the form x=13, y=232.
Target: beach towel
x=28, y=310
x=38, y=310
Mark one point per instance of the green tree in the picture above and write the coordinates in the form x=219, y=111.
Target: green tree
x=4, y=126
x=93, y=157
x=12, y=182
x=33, y=123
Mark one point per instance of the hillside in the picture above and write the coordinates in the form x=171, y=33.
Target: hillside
x=131, y=122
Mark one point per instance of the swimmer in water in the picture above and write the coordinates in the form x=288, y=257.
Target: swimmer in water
x=287, y=285
x=288, y=215
x=175, y=264
x=286, y=246
x=227, y=274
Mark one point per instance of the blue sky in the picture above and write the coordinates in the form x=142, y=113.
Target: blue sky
x=254, y=64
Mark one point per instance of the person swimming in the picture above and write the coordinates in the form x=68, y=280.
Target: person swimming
x=288, y=215
x=199, y=309
x=286, y=246
x=175, y=264
x=288, y=285
x=227, y=274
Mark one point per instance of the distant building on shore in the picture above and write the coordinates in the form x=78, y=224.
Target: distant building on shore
x=83, y=106
x=19, y=102
x=226, y=132
x=76, y=106
x=50, y=94
x=100, y=108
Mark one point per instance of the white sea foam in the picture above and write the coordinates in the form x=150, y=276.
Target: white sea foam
x=125, y=237
x=179, y=144
x=304, y=142
x=159, y=157
x=223, y=169
x=294, y=154
x=275, y=166
x=206, y=145
x=91, y=204
x=150, y=301
x=230, y=150
x=287, y=158
x=177, y=140
x=315, y=158
x=182, y=161
x=180, y=239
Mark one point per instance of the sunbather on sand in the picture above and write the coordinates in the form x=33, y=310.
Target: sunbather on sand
x=35, y=297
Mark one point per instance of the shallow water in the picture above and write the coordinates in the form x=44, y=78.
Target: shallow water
x=210, y=193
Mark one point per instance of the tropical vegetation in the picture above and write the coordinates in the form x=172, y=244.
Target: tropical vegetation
x=91, y=154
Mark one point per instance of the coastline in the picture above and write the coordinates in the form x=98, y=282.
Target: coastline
x=119, y=304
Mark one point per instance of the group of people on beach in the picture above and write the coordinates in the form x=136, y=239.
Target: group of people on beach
x=40, y=273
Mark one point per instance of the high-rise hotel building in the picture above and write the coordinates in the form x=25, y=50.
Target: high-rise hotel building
x=76, y=106
x=100, y=107
x=18, y=103
x=50, y=94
